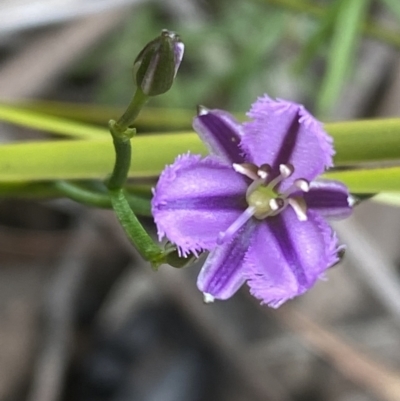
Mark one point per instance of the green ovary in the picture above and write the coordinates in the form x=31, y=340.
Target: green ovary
x=259, y=199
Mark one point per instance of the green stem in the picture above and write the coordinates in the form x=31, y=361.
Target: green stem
x=122, y=146
x=134, y=230
x=369, y=28
x=82, y=195
x=122, y=135
x=138, y=101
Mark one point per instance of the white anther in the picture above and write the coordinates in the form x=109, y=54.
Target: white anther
x=274, y=204
x=302, y=184
x=262, y=174
x=264, y=171
x=208, y=298
x=286, y=170
x=247, y=169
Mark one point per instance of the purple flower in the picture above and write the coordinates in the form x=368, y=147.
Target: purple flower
x=254, y=202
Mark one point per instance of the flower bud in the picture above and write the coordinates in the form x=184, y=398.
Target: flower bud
x=156, y=65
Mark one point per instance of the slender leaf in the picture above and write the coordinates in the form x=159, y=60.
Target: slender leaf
x=369, y=180
x=366, y=141
x=376, y=31
x=356, y=142
x=88, y=159
x=16, y=115
x=343, y=50
x=318, y=38
x=149, y=118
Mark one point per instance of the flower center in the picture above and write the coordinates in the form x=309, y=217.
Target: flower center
x=260, y=200
x=264, y=198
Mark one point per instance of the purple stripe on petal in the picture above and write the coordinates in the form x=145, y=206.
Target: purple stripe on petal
x=329, y=198
x=233, y=201
x=221, y=133
x=283, y=132
x=195, y=199
x=285, y=153
x=286, y=256
x=280, y=230
x=222, y=273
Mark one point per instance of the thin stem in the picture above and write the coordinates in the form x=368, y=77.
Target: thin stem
x=134, y=230
x=138, y=101
x=122, y=135
x=87, y=197
x=122, y=146
x=369, y=28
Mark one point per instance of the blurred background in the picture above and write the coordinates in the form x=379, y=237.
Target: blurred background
x=84, y=319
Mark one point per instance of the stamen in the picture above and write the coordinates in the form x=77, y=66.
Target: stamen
x=299, y=206
x=286, y=170
x=264, y=171
x=281, y=204
x=275, y=204
x=301, y=184
x=236, y=225
x=247, y=169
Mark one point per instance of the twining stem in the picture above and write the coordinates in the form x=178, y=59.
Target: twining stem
x=91, y=198
x=122, y=146
x=122, y=135
x=134, y=230
x=371, y=29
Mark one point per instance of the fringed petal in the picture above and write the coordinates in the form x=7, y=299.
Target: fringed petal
x=283, y=132
x=286, y=256
x=195, y=199
x=222, y=273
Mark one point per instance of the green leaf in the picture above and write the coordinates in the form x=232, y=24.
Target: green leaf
x=318, y=38
x=343, y=50
x=362, y=141
x=16, y=115
x=87, y=159
x=366, y=141
x=369, y=180
x=356, y=142
x=40, y=110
